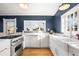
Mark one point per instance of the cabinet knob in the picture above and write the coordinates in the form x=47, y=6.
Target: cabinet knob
x=73, y=54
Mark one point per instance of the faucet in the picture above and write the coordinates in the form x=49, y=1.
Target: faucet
x=8, y=32
x=77, y=36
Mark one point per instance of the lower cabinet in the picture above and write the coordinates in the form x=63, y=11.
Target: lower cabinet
x=27, y=42
x=4, y=47
x=60, y=48
x=57, y=47
x=73, y=51
x=36, y=41
x=5, y=52
x=31, y=41
x=44, y=41
x=52, y=46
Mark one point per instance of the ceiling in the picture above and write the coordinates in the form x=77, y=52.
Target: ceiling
x=59, y=13
x=33, y=9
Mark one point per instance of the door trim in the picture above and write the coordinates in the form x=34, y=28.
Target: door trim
x=4, y=24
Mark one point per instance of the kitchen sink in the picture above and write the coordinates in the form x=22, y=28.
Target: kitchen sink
x=75, y=45
x=69, y=40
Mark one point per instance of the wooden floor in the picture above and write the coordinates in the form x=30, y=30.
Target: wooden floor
x=37, y=52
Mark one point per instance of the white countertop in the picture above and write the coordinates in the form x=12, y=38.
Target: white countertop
x=38, y=33
x=73, y=42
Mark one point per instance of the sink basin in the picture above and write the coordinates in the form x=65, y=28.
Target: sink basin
x=75, y=45
x=69, y=40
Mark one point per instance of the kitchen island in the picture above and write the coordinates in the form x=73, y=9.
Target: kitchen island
x=9, y=45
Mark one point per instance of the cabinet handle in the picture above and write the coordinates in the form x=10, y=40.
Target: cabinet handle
x=56, y=51
x=3, y=50
x=73, y=54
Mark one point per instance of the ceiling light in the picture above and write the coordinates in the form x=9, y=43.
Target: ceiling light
x=23, y=6
x=64, y=6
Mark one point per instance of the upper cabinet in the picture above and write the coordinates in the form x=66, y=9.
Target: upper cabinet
x=70, y=21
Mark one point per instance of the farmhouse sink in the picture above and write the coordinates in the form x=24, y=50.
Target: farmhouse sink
x=66, y=39
x=74, y=45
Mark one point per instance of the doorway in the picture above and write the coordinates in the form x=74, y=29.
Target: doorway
x=9, y=26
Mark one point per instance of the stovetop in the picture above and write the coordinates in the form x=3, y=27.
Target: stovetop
x=10, y=37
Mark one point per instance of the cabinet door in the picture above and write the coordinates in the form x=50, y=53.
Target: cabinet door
x=27, y=41
x=5, y=52
x=44, y=41
x=5, y=47
x=57, y=47
x=61, y=47
x=52, y=46
x=35, y=41
x=73, y=51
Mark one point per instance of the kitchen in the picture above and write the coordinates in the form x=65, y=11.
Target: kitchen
x=43, y=27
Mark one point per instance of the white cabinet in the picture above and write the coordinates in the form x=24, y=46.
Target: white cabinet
x=5, y=47
x=31, y=41
x=5, y=52
x=44, y=41
x=70, y=22
x=73, y=51
x=36, y=41
x=62, y=47
x=52, y=46
x=57, y=47
x=27, y=41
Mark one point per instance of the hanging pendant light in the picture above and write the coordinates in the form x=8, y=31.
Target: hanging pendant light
x=24, y=4
x=64, y=6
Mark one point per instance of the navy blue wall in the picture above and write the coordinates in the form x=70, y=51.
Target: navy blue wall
x=57, y=23
x=20, y=21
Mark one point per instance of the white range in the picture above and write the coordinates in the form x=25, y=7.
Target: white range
x=11, y=45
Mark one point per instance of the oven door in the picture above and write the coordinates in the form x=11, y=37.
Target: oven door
x=17, y=49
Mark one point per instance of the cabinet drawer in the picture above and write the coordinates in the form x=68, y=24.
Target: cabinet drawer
x=73, y=51
x=4, y=44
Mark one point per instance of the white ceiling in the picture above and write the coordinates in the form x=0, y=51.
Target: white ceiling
x=33, y=9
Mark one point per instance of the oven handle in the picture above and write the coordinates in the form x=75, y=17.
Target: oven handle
x=17, y=44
